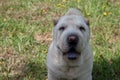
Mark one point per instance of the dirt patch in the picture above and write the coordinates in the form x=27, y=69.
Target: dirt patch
x=12, y=65
x=44, y=38
x=115, y=37
x=35, y=12
x=115, y=1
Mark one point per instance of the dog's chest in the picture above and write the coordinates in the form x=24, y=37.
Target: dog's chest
x=69, y=73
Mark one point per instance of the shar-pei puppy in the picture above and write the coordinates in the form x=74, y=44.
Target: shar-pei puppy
x=69, y=55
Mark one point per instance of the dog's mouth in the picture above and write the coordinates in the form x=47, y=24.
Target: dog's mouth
x=72, y=54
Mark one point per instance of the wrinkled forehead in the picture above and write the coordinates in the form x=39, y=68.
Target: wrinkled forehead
x=77, y=20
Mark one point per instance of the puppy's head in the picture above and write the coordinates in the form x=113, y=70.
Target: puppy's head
x=71, y=34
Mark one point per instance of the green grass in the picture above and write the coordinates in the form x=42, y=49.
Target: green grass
x=25, y=34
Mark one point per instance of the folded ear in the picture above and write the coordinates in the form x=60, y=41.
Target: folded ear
x=87, y=22
x=55, y=21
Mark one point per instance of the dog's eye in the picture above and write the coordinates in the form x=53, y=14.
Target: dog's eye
x=62, y=28
x=82, y=28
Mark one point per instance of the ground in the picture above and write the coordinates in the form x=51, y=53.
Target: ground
x=26, y=32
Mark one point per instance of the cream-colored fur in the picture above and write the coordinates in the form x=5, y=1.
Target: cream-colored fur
x=59, y=66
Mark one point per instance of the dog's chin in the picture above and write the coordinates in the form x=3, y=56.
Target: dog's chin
x=72, y=54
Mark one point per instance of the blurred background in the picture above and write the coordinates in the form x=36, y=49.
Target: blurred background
x=26, y=32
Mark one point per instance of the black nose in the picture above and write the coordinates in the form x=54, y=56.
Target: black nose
x=72, y=40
